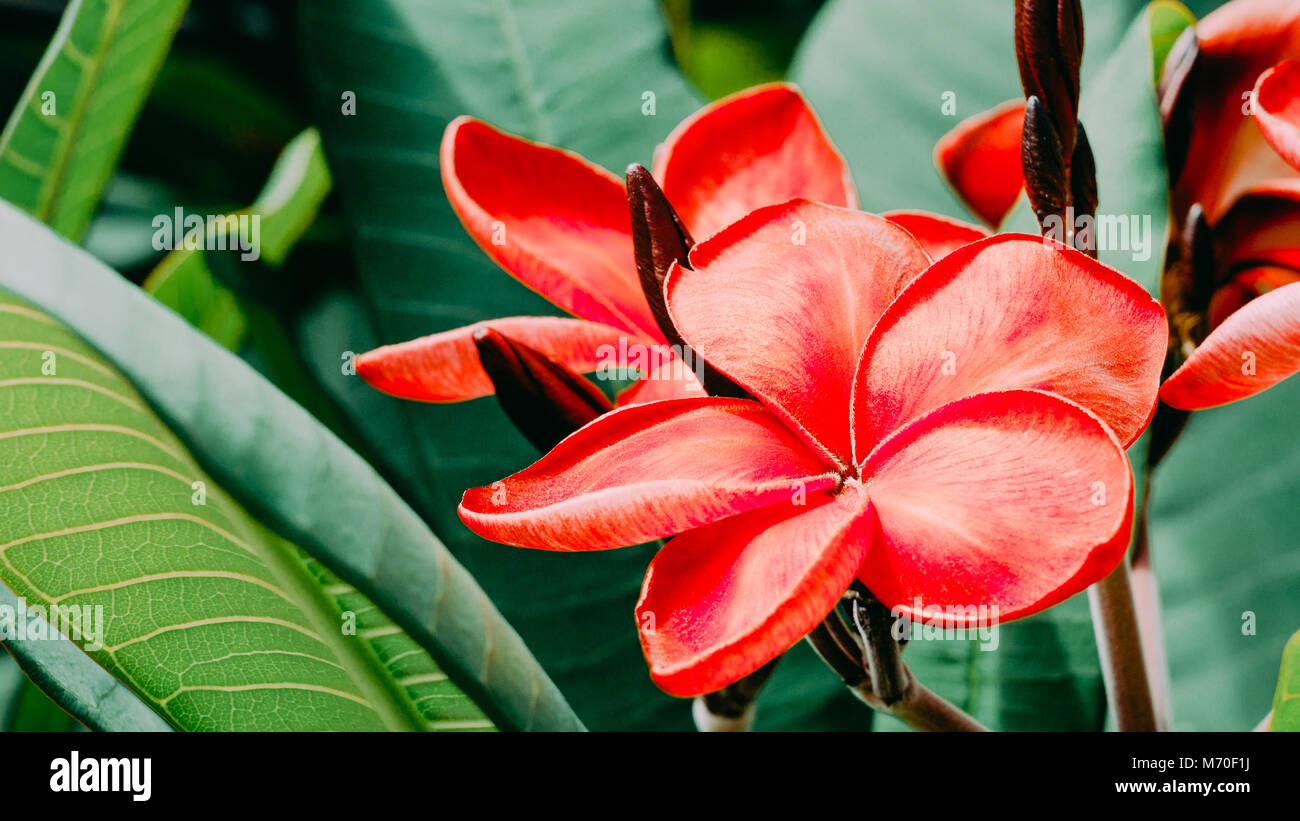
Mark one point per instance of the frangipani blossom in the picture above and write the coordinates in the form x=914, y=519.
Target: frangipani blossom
x=952, y=432
x=560, y=225
x=1245, y=173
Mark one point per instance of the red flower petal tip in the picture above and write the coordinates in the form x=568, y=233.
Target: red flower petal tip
x=1277, y=109
x=980, y=158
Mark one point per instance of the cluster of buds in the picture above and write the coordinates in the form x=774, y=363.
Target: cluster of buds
x=1060, y=177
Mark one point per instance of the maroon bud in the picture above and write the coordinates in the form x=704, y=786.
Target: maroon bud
x=1049, y=50
x=658, y=240
x=545, y=400
x=1198, y=251
x=1046, y=182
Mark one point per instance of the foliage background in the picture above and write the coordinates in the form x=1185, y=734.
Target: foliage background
x=385, y=261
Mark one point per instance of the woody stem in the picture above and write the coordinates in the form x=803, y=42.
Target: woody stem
x=1123, y=665
x=1146, y=600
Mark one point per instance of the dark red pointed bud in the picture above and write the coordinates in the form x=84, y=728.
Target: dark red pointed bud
x=1175, y=94
x=658, y=240
x=1044, y=166
x=1049, y=49
x=1198, y=250
x=1083, y=176
x=545, y=400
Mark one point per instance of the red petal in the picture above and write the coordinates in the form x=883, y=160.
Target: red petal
x=646, y=471
x=1264, y=334
x=1227, y=153
x=721, y=601
x=1277, y=109
x=554, y=221
x=445, y=367
x=1261, y=228
x=981, y=160
x=668, y=384
x=782, y=301
x=761, y=146
x=1013, y=311
x=938, y=235
x=1245, y=286
x=1016, y=500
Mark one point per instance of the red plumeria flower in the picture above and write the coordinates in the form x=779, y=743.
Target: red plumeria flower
x=1243, y=172
x=952, y=432
x=560, y=225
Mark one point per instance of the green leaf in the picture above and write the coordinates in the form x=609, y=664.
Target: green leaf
x=290, y=472
x=1168, y=20
x=289, y=202
x=63, y=139
x=1286, y=702
x=69, y=678
x=413, y=67
x=214, y=621
x=1223, y=525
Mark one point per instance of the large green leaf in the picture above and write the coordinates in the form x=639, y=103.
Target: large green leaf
x=63, y=139
x=1286, y=699
x=70, y=679
x=222, y=565
x=214, y=621
x=1223, y=545
x=413, y=66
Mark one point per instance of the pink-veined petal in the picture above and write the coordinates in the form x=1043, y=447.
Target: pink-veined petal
x=938, y=235
x=556, y=222
x=1015, y=500
x=1254, y=348
x=782, y=301
x=444, y=367
x=1013, y=311
x=645, y=471
x=760, y=146
x=722, y=600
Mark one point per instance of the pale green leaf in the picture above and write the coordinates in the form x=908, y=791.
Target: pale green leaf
x=62, y=141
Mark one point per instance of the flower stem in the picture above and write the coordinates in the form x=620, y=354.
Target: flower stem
x=1146, y=601
x=732, y=708
x=1123, y=665
x=877, y=662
